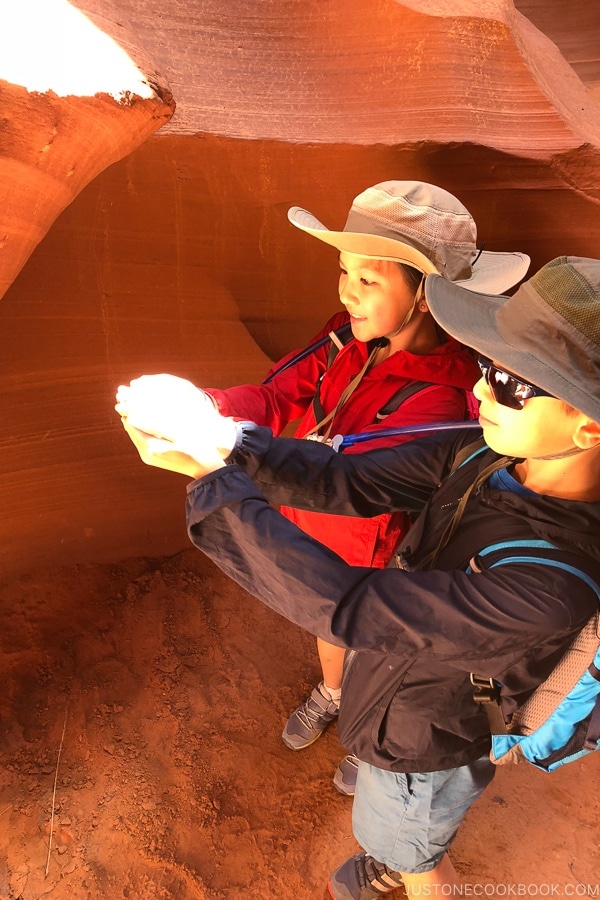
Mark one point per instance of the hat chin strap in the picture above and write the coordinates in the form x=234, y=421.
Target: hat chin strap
x=566, y=453
x=409, y=314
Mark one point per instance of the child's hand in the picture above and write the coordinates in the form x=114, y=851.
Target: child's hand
x=175, y=410
x=163, y=454
x=163, y=405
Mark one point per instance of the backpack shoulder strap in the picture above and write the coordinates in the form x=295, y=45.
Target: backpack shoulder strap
x=397, y=399
x=415, y=387
x=520, y=556
x=469, y=452
x=339, y=339
x=414, y=535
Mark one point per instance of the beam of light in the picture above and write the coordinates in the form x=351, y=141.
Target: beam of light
x=49, y=45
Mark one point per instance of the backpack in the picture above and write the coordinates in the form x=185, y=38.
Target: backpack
x=560, y=721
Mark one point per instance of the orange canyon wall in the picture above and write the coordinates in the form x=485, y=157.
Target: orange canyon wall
x=135, y=238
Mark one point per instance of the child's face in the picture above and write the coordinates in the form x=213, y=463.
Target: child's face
x=541, y=428
x=375, y=294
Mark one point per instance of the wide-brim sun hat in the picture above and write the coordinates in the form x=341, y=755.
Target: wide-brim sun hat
x=548, y=332
x=423, y=226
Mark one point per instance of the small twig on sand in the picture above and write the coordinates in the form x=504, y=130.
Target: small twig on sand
x=54, y=790
x=4, y=811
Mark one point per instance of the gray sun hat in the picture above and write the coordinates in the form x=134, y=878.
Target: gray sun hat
x=422, y=226
x=548, y=332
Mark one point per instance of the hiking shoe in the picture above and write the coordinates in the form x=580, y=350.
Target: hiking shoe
x=344, y=779
x=362, y=878
x=310, y=720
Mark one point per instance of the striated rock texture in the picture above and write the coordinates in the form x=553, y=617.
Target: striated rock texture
x=73, y=101
x=575, y=29
x=180, y=258
x=168, y=684
x=368, y=73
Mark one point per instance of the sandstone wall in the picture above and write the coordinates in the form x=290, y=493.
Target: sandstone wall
x=179, y=256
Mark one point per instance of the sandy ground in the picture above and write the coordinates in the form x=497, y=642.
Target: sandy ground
x=144, y=702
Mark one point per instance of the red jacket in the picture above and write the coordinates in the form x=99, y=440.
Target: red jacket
x=360, y=542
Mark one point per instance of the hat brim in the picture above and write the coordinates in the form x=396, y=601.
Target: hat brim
x=495, y=272
x=520, y=334
x=373, y=245
x=468, y=316
x=492, y=272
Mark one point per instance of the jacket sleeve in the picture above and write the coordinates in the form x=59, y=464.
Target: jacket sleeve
x=310, y=475
x=287, y=396
x=463, y=619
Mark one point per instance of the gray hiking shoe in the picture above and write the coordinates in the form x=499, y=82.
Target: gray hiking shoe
x=344, y=779
x=309, y=721
x=362, y=878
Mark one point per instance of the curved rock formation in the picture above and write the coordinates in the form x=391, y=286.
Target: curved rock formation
x=177, y=256
x=423, y=70
x=180, y=258
x=575, y=29
x=73, y=102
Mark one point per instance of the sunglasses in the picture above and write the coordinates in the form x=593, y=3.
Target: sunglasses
x=507, y=389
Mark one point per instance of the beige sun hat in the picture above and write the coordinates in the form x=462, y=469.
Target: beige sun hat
x=423, y=226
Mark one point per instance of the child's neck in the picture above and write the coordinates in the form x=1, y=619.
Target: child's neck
x=419, y=336
x=573, y=478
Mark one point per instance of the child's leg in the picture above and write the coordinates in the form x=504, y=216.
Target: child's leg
x=362, y=876
x=308, y=721
x=332, y=663
x=408, y=821
x=444, y=873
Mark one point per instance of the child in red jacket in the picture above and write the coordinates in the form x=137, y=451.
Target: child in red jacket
x=396, y=233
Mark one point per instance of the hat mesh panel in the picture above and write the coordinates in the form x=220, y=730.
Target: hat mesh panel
x=428, y=225
x=566, y=291
x=446, y=237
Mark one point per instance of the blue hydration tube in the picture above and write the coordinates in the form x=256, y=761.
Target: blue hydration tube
x=339, y=442
x=341, y=332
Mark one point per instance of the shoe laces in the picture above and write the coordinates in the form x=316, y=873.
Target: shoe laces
x=376, y=875
x=311, y=712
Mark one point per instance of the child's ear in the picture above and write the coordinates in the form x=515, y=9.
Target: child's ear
x=587, y=434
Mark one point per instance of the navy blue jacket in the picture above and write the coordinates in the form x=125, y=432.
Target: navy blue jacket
x=413, y=637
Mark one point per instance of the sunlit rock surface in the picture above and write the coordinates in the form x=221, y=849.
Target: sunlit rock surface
x=180, y=258
x=72, y=102
x=575, y=29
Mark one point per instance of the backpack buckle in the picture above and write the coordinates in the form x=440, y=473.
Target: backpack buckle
x=487, y=694
x=399, y=561
x=486, y=689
